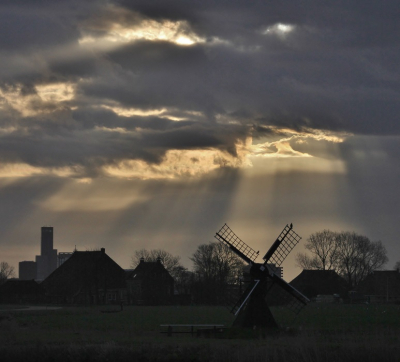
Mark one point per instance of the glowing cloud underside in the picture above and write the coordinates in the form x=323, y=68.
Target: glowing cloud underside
x=283, y=148
x=279, y=29
x=177, y=164
x=178, y=32
x=16, y=170
x=161, y=112
x=37, y=102
x=58, y=92
x=180, y=163
x=46, y=98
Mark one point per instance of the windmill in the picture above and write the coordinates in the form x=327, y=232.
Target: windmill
x=265, y=285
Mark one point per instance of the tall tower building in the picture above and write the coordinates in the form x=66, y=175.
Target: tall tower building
x=46, y=262
x=46, y=245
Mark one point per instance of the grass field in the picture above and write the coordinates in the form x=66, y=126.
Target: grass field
x=319, y=333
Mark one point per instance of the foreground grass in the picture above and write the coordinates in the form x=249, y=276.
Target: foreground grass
x=319, y=333
x=90, y=325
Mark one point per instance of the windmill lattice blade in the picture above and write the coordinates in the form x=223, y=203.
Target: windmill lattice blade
x=284, y=294
x=283, y=245
x=225, y=234
x=235, y=309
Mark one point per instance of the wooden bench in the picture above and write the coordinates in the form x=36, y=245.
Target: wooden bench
x=199, y=329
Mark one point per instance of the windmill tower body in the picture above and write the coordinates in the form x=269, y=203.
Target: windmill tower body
x=255, y=311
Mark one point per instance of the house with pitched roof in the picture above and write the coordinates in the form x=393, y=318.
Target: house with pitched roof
x=150, y=284
x=319, y=282
x=87, y=277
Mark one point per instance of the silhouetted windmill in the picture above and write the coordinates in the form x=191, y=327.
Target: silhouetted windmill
x=252, y=308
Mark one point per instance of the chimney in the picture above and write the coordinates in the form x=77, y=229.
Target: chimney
x=159, y=260
x=103, y=250
x=141, y=260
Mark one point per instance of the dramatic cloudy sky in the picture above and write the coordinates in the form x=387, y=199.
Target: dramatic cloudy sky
x=149, y=124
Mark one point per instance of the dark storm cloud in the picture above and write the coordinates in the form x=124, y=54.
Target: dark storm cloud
x=161, y=55
x=347, y=22
x=29, y=30
x=73, y=150
x=68, y=69
x=77, y=139
x=39, y=41
x=336, y=70
x=156, y=75
x=302, y=79
x=88, y=118
x=34, y=25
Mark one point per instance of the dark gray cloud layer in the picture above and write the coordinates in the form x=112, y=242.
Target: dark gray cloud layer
x=336, y=23
x=337, y=70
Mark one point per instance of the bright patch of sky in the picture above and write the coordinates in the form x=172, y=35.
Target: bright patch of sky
x=179, y=164
x=16, y=170
x=57, y=92
x=177, y=32
x=279, y=29
x=161, y=113
x=13, y=99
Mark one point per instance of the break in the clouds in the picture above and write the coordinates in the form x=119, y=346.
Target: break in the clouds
x=221, y=101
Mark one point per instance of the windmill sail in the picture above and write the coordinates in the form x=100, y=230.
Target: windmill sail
x=225, y=234
x=287, y=295
x=266, y=288
x=282, y=246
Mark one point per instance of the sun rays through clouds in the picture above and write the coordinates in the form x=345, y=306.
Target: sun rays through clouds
x=152, y=122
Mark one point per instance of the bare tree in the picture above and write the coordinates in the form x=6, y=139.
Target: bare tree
x=6, y=271
x=216, y=261
x=183, y=280
x=204, y=263
x=358, y=257
x=323, y=246
x=170, y=262
x=216, y=267
x=351, y=255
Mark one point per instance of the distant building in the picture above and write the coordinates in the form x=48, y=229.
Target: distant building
x=381, y=286
x=63, y=257
x=319, y=282
x=87, y=277
x=27, y=270
x=150, y=284
x=46, y=262
x=15, y=291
